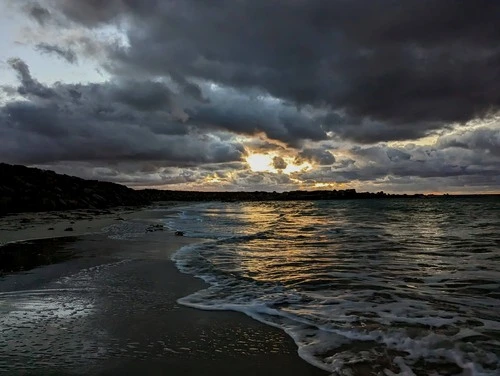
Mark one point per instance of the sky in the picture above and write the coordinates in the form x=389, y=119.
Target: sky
x=400, y=96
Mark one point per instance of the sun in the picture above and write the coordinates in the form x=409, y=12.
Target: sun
x=260, y=163
x=265, y=163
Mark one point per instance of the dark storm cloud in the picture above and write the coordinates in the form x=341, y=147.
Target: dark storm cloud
x=64, y=53
x=189, y=88
x=412, y=65
x=191, y=76
x=29, y=86
x=250, y=114
x=394, y=69
x=38, y=134
x=113, y=122
x=92, y=13
x=366, y=131
x=318, y=155
x=143, y=95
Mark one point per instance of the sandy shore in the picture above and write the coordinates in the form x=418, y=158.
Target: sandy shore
x=109, y=306
x=27, y=226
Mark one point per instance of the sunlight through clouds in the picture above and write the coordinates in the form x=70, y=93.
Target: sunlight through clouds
x=267, y=163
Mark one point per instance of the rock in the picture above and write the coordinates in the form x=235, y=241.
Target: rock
x=68, y=229
x=50, y=228
x=179, y=233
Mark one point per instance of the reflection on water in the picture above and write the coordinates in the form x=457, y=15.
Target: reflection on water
x=400, y=284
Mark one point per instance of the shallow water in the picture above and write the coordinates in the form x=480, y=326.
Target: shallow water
x=399, y=286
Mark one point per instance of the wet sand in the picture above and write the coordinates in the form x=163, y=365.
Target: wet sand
x=55, y=224
x=108, y=307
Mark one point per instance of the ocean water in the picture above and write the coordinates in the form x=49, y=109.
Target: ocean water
x=395, y=287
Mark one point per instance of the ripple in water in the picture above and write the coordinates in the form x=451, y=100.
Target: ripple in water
x=398, y=287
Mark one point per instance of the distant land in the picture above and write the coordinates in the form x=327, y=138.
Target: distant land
x=26, y=189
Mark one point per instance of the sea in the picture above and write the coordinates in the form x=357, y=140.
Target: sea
x=391, y=286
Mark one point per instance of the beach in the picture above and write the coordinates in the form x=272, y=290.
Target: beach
x=99, y=304
x=396, y=287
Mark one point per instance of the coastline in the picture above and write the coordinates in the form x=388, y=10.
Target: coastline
x=113, y=310
x=55, y=224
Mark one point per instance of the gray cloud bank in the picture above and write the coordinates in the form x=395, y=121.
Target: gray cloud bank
x=194, y=75
x=399, y=68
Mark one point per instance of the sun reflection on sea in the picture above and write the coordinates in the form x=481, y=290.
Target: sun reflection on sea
x=290, y=259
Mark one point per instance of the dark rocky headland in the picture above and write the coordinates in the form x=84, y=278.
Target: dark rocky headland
x=25, y=189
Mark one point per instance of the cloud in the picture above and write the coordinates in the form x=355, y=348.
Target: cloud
x=36, y=134
x=64, y=53
x=142, y=95
x=39, y=13
x=112, y=122
x=279, y=163
x=457, y=162
x=250, y=113
x=399, y=71
x=193, y=86
x=480, y=139
x=318, y=155
x=29, y=86
x=127, y=131
x=189, y=88
x=420, y=161
x=130, y=173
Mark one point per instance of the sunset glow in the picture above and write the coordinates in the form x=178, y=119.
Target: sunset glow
x=265, y=163
x=260, y=163
x=126, y=94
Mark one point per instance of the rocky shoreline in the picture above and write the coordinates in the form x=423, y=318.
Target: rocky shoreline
x=24, y=189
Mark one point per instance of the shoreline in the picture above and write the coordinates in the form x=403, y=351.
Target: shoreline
x=123, y=316
x=30, y=226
